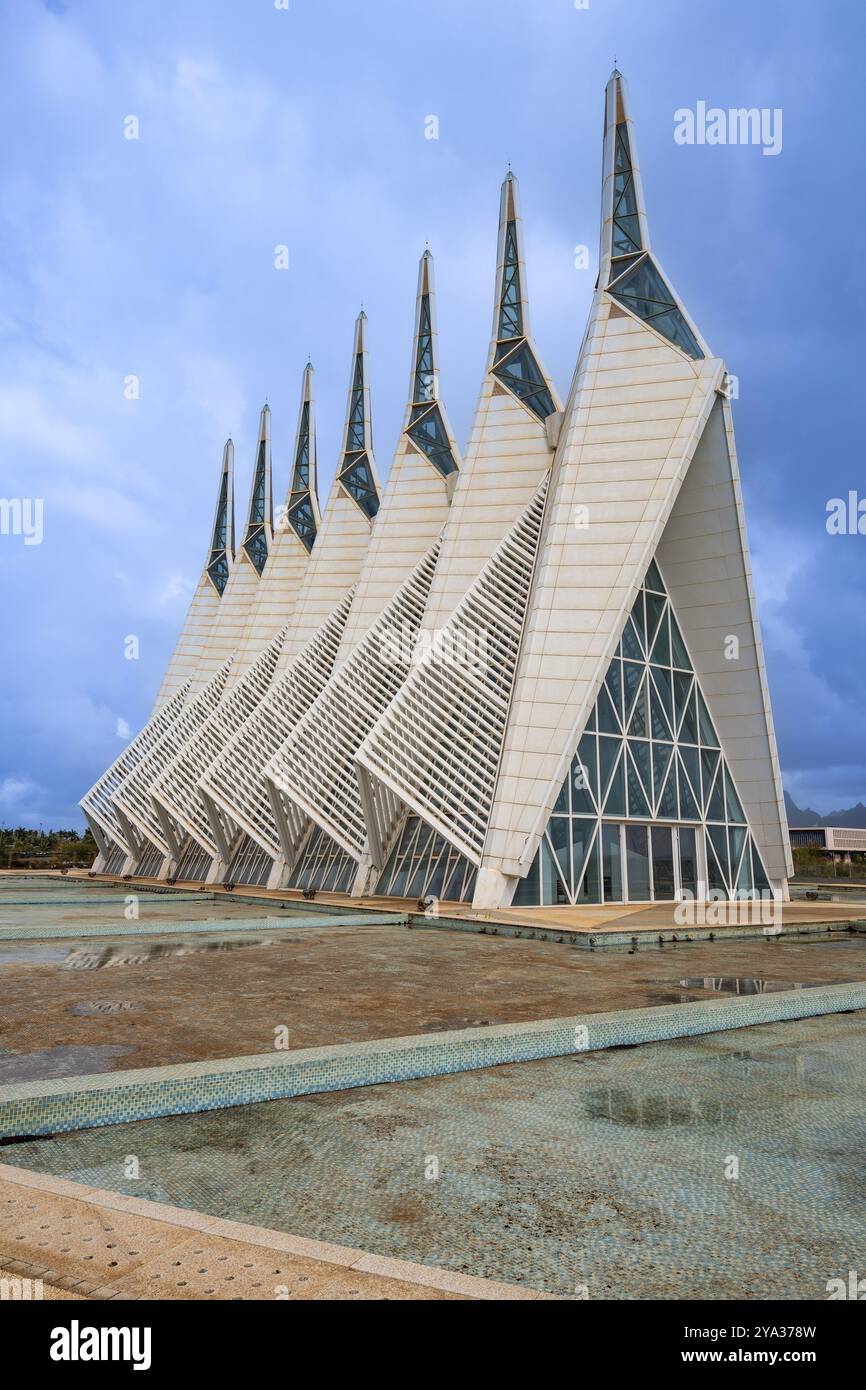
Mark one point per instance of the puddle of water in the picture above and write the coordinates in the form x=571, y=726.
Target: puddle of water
x=89, y=1008
x=86, y=958
x=53, y=1062
x=23, y=955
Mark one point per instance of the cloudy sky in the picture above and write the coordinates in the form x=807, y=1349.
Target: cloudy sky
x=305, y=126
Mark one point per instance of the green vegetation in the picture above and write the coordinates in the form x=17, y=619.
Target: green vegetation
x=46, y=849
x=813, y=863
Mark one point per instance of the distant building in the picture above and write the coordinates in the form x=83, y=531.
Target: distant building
x=840, y=841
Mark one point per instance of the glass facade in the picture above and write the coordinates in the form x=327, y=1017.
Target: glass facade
x=649, y=810
x=423, y=864
x=514, y=362
x=323, y=865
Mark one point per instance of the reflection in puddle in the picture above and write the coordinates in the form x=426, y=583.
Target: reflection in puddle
x=748, y=984
x=627, y=1107
x=85, y=958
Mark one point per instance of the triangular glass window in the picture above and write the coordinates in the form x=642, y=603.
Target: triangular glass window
x=654, y=609
x=620, y=266
x=218, y=569
x=678, y=647
x=301, y=471
x=358, y=482
x=520, y=372
x=668, y=803
x=303, y=522
x=424, y=388
x=631, y=646
x=644, y=292
x=584, y=779
x=734, y=808
x=428, y=432
x=615, y=802
x=633, y=675
x=355, y=433
x=510, y=312
x=258, y=498
x=653, y=579
x=637, y=801
x=607, y=720
x=626, y=223
x=613, y=681
x=559, y=832
x=688, y=805
x=582, y=834
x=638, y=728
x=661, y=652
x=705, y=724
x=661, y=762
x=256, y=547
x=608, y=749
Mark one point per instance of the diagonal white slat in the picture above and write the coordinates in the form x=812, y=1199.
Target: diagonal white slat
x=177, y=789
x=133, y=800
x=97, y=804
x=437, y=745
x=315, y=767
x=235, y=782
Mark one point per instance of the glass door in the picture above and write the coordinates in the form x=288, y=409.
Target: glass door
x=611, y=863
x=637, y=864
x=664, y=881
x=688, y=860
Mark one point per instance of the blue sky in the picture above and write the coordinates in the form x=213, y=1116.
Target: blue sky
x=305, y=127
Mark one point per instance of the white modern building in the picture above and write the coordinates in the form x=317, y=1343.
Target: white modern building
x=528, y=674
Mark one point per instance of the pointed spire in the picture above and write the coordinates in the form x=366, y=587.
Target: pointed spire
x=624, y=230
x=627, y=267
x=302, y=506
x=511, y=312
x=222, y=545
x=260, y=517
x=354, y=471
x=513, y=360
x=427, y=426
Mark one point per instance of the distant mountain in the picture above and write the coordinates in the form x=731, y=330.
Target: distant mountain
x=854, y=818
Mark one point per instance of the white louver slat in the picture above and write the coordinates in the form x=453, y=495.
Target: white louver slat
x=437, y=745
x=97, y=804
x=315, y=767
x=133, y=801
x=235, y=784
x=177, y=790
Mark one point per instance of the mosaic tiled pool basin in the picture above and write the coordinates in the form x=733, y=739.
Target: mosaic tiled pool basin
x=608, y=1172
x=201, y=996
